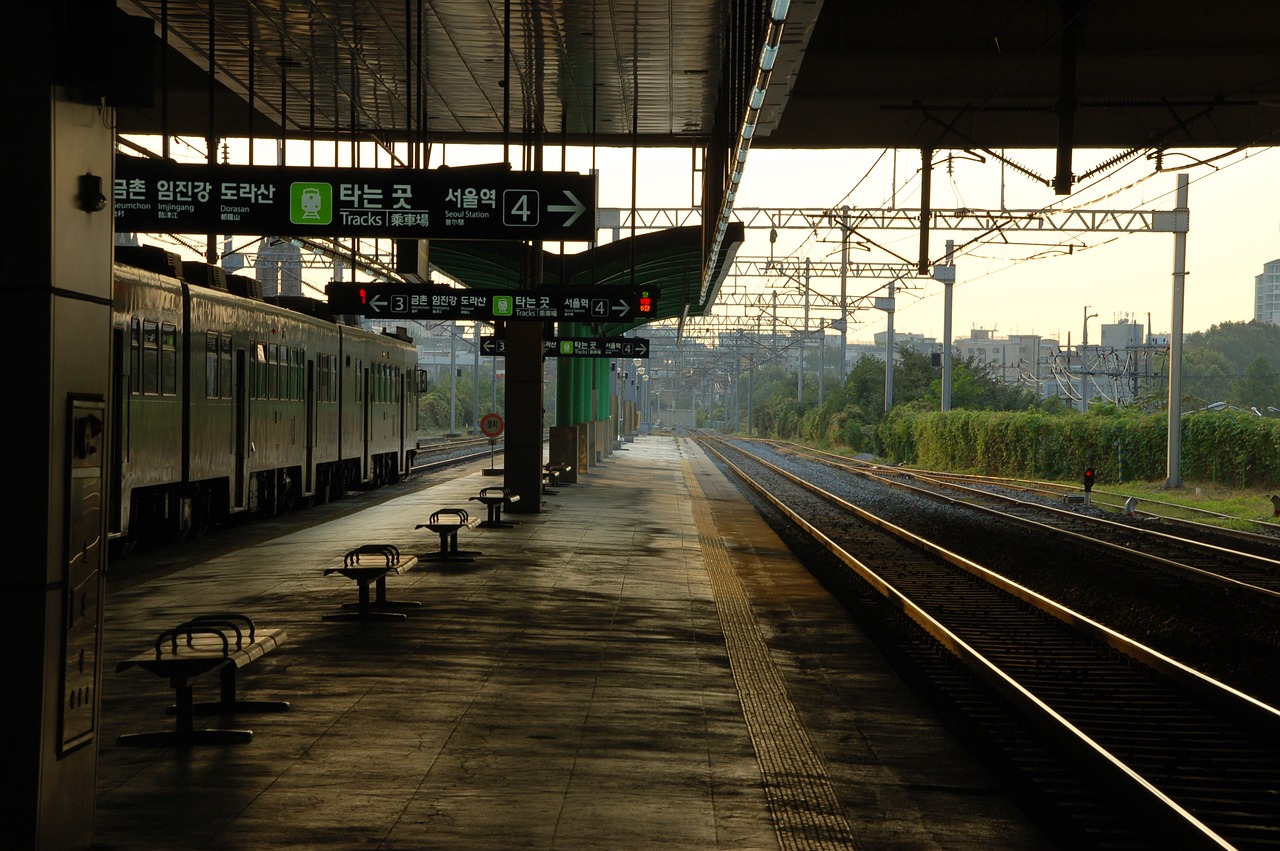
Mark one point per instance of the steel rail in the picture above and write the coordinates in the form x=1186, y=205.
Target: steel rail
x=1183, y=825
x=1257, y=567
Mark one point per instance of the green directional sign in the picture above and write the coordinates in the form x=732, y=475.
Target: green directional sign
x=473, y=202
x=427, y=302
x=576, y=347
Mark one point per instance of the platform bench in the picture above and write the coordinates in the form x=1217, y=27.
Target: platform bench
x=494, y=499
x=446, y=523
x=222, y=641
x=367, y=565
x=551, y=474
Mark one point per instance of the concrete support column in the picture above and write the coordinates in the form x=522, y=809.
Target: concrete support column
x=57, y=279
x=523, y=462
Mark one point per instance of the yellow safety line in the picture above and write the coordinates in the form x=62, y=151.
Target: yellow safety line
x=806, y=812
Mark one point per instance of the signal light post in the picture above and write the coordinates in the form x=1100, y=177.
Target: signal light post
x=1088, y=484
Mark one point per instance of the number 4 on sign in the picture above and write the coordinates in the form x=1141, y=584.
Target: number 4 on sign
x=521, y=207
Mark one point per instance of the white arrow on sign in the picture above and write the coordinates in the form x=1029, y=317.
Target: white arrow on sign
x=640, y=349
x=577, y=208
x=376, y=303
x=621, y=308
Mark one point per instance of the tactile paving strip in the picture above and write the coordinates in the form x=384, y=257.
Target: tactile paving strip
x=806, y=812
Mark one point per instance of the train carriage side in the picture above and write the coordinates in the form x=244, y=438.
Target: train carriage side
x=229, y=405
x=257, y=429
x=147, y=409
x=379, y=404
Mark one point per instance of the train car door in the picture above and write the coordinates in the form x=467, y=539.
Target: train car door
x=402, y=394
x=366, y=422
x=240, y=392
x=310, y=414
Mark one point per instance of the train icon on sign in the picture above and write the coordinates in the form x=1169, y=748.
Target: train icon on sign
x=310, y=203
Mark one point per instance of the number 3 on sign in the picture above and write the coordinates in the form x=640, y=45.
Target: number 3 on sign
x=520, y=207
x=491, y=425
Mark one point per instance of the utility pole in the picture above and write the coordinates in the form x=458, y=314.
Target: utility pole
x=475, y=374
x=1084, y=361
x=804, y=336
x=888, y=352
x=453, y=378
x=1181, y=222
x=842, y=322
x=947, y=275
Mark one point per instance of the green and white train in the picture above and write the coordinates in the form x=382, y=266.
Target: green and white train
x=227, y=405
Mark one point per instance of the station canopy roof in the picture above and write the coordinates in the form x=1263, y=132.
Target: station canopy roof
x=669, y=260
x=917, y=74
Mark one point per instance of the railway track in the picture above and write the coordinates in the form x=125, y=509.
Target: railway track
x=1112, y=740
x=437, y=455
x=1250, y=569
x=1263, y=536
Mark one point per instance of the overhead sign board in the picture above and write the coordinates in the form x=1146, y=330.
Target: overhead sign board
x=417, y=301
x=160, y=196
x=577, y=347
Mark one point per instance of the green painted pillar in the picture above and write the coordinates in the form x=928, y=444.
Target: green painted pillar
x=584, y=391
x=602, y=389
x=564, y=391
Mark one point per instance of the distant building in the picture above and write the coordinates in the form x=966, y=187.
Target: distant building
x=1014, y=360
x=1266, y=294
x=279, y=267
x=901, y=340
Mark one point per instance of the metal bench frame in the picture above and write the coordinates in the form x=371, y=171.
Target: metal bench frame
x=223, y=641
x=446, y=523
x=494, y=499
x=385, y=559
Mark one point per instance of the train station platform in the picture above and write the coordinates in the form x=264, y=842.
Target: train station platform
x=643, y=664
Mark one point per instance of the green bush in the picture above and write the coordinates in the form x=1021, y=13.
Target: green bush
x=1233, y=448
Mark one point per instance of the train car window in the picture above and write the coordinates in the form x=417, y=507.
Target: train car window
x=211, y=363
x=259, y=370
x=331, y=394
x=168, y=359
x=150, y=357
x=285, y=369
x=273, y=363
x=135, y=356
x=299, y=370
x=322, y=378
x=224, y=368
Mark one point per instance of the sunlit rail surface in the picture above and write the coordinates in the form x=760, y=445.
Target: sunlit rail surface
x=1076, y=671
x=445, y=452
x=1248, y=563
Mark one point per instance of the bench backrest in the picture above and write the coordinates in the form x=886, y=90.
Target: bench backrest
x=388, y=551
x=444, y=515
